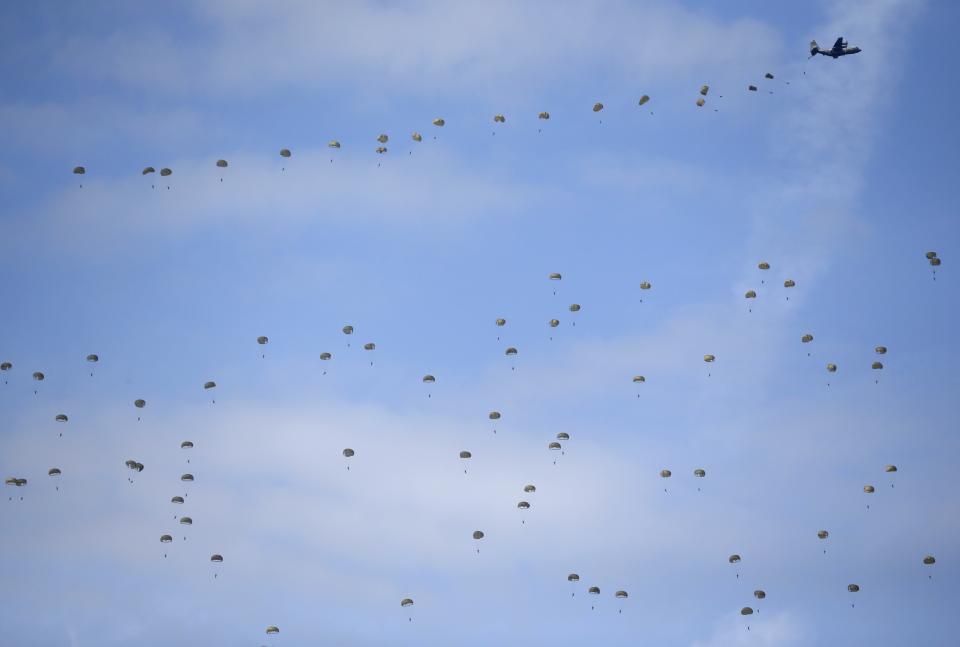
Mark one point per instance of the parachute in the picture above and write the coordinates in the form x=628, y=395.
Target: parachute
x=216, y=558
x=823, y=534
x=165, y=539
x=38, y=376
x=187, y=444
x=499, y=119
x=325, y=356
x=644, y=99
x=222, y=163
x=381, y=150
x=187, y=478
x=61, y=417
x=466, y=454
x=929, y=560
x=880, y=350
x=665, y=474
x=177, y=499
x=768, y=75
x=554, y=446
x=478, y=534
x=759, y=594
x=853, y=588
x=406, y=602
x=750, y=295
x=369, y=346
x=734, y=559
x=597, y=107
x=699, y=473
x=594, y=590
x=645, y=285
x=165, y=172
x=501, y=322
x=869, y=489
x=876, y=366
x=574, y=307
x=523, y=505
x=709, y=358
x=806, y=339
x=186, y=521
x=439, y=122
x=348, y=330
x=573, y=577
x=700, y=102
x=529, y=488
x=832, y=368
x=763, y=265
x=704, y=89
x=752, y=88
x=890, y=468
x=639, y=379
x=285, y=152
x=621, y=594
x=263, y=340
x=554, y=323
x=789, y=283
x=494, y=415
x=93, y=358
x=54, y=471
x=333, y=143
x=746, y=611
x=209, y=385
x=147, y=170
x=134, y=465
x=79, y=170
x=562, y=435
x=273, y=630
x=931, y=255
x=347, y=453
x=139, y=403
x=543, y=115
x=511, y=351
x=6, y=366
x=555, y=276
x=429, y=379
x=417, y=137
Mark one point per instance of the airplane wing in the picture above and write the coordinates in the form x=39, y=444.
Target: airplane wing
x=839, y=43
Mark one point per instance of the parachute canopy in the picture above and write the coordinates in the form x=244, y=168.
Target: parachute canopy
x=38, y=376
x=165, y=539
x=523, y=505
x=554, y=446
x=763, y=265
x=176, y=499
x=594, y=590
x=348, y=452
x=511, y=351
x=597, y=107
x=554, y=323
x=760, y=594
x=79, y=170
x=285, y=152
x=543, y=115
x=325, y=356
x=333, y=143
x=147, y=170
x=645, y=285
x=890, y=468
x=54, y=471
x=750, y=294
x=6, y=366
x=494, y=415
x=832, y=368
x=478, y=534
x=562, y=435
x=216, y=558
x=186, y=477
x=704, y=89
x=262, y=340
x=665, y=474
x=853, y=588
x=222, y=163
x=699, y=473
x=529, y=488
x=880, y=350
x=709, y=358
x=501, y=322
x=876, y=366
x=186, y=521
x=752, y=88
x=165, y=172
x=61, y=417
x=929, y=559
x=700, y=102
x=621, y=594
x=347, y=330
x=768, y=75
x=499, y=118
x=734, y=559
x=466, y=454
x=644, y=99
x=573, y=577
x=823, y=534
x=187, y=444
x=746, y=611
x=429, y=379
x=637, y=379
x=273, y=630
x=209, y=385
x=369, y=346
x=439, y=122
x=789, y=283
x=139, y=403
x=406, y=602
x=555, y=276
x=806, y=339
x=93, y=357
x=574, y=307
x=869, y=489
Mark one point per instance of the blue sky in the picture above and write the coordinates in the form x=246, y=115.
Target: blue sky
x=838, y=173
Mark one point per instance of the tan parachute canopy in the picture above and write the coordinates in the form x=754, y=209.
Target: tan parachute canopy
x=209, y=385
x=466, y=454
x=665, y=474
x=370, y=346
x=511, y=351
x=823, y=534
x=574, y=307
x=406, y=602
x=876, y=366
x=788, y=283
x=6, y=366
x=554, y=323
x=186, y=521
x=699, y=473
x=709, y=358
x=93, y=357
x=381, y=150
x=523, y=505
x=746, y=611
x=285, y=152
x=165, y=172
x=750, y=295
x=501, y=322
x=186, y=477
x=499, y=119
x=645, y=285
x=880, y=350
x=147, y=170
x=222, y=163
x=216, y=558
x=333, y=143
x=935, y=262
x=139, y=403
x=439, y=122
x=478, y=534
x=806, y=339
x=79, y=170
x=555, y=276
x=429, y=379
x=594, y=590
x=165, y=539
x=543, y=115
x=734, y=559
x=54, y=471
x=38, y=376
x=869, y=489
x=417, y=137
x=853, y=588
x=187, y=444
x=494, y=415
x=832, y=368
x=347, y=453
x=348, y=330
x=890, y=468
x=700, y=102
x=61, y=417
x=621, y=594
x=644, y=99
x=562, y=435
x=383, y=138
x=176, y=499
x=554, y=445
x=763, y=265
x=273, y=630
x=704, y=89
x=931, y=255
x=760, y=594
x=325, y=356
x=529, y=488
x=929, y=559
x=573, y=577
x=637, y=379
x=597, y=107
x=262, y=339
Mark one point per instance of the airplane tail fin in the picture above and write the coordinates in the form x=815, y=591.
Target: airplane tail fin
x=814, y=48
